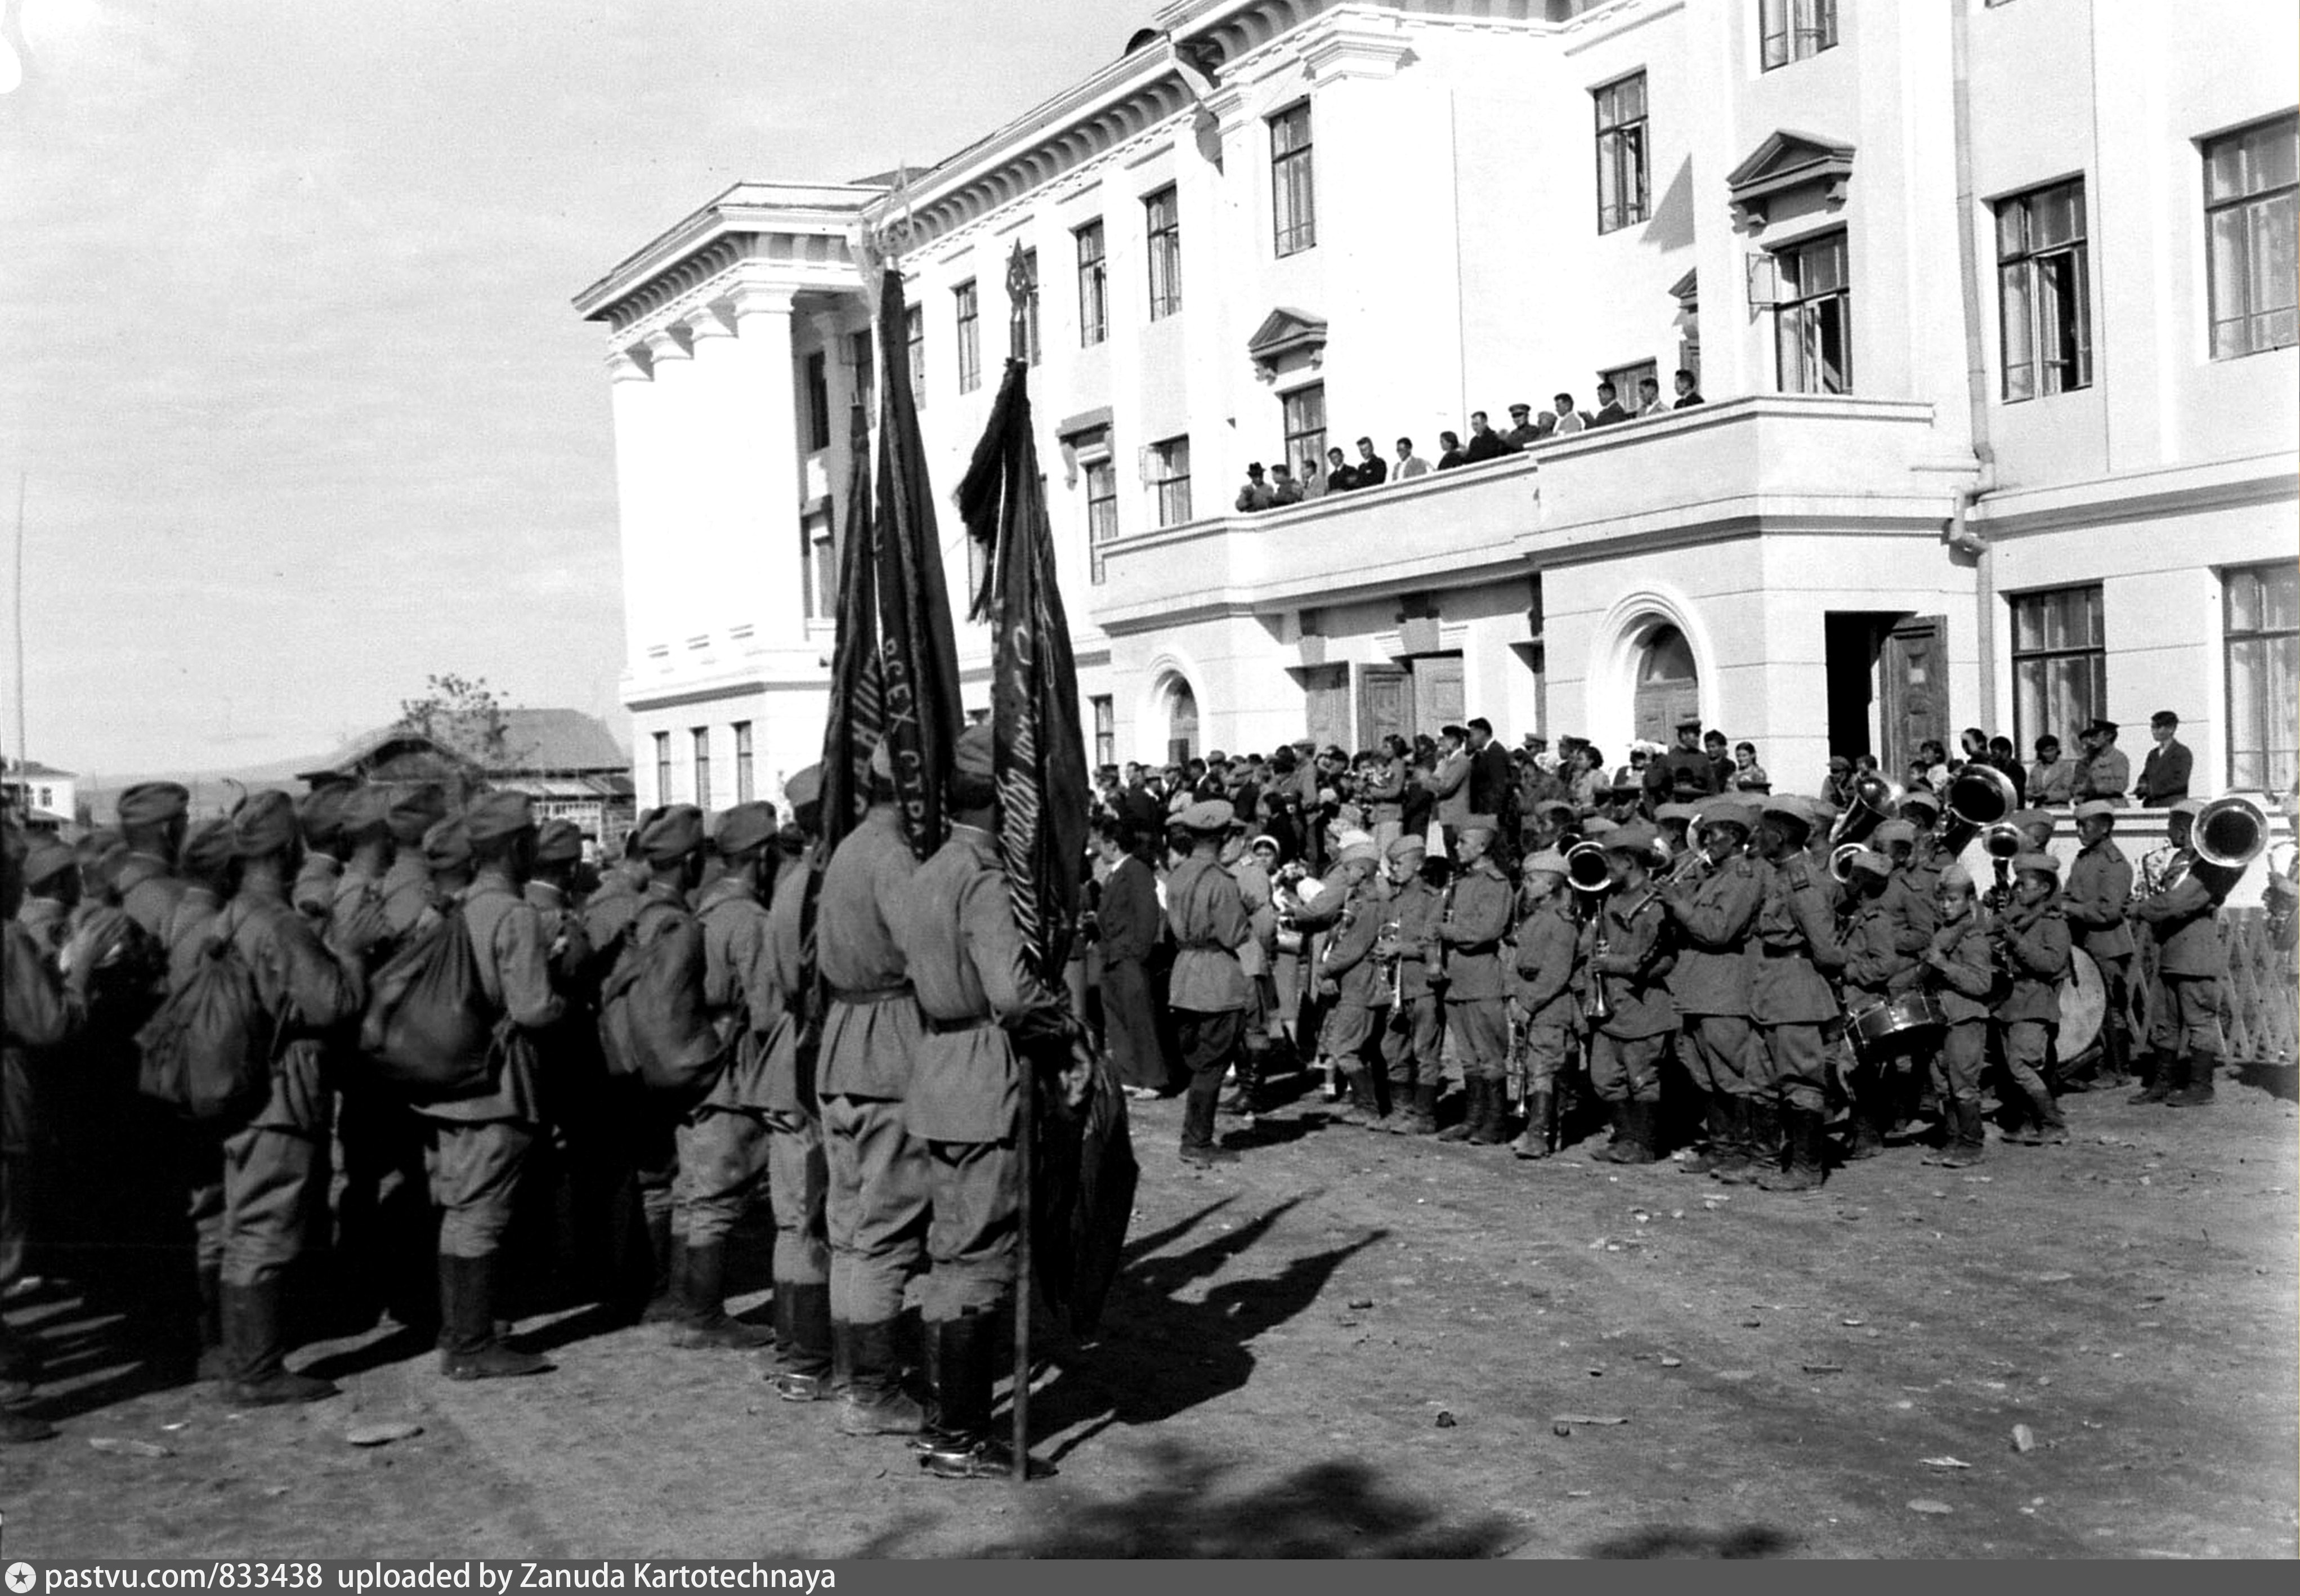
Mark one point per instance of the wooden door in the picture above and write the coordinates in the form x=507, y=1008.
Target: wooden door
x=1326, y=704
x=1913, y=689
x=1385, y=704
x=1437, y=696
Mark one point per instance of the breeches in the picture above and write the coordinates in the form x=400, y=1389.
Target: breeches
x=976, y=1192
x=1725, y=1057
x=875, y=1206
x=1956, y=1067
x=475, y=1171
x=1549, y=1053
x=2186, y=1019
x=1481, y=1025
x=1795, y=1065
x=1415, y=1038
x=267, y=1176
x=798, y=1178
x=1626, y=1069
x=722, y=1155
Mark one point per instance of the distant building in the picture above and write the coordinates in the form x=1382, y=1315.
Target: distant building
x=42, y=795
x=566, y=761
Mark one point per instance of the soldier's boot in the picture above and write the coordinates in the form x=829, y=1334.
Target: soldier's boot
x=2115, y=1054
x=873, y=1401
x=1491, y=1128
x=214, y=1363
x=1373, y=1085
x=256, y=1351
x=932, y=1432
x=475, y=1349
x=1244, y=1096
x=1760, y=1142
x=1474, y=1101
x=1966, y=1143
x=1538, y=1139
x=803, y=1314
x=967, y=1446
x=709, y=1324
x=18, y=1361
x=665, y=1303
x=2157, y=1075
x=1718, y=1114
x=2050, y=1128
x=1349, y=1104
x=1421, y=1115
x=1865, y=1127
x=1807, y=1135
x=2195, y=1088
x=1639, y=1133
x=1616, y=1130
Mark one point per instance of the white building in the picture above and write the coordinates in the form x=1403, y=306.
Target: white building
x=1998, y=355
x=41, y=795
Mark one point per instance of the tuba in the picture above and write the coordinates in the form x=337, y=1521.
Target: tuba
x=1978, y=797
x=1874, y=799
x=1586, y=870
x=2003, y=843
x=1840, y=862
x=2229, y=833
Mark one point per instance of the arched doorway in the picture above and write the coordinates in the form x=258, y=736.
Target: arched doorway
x=1181, y=721
x=1668, y=685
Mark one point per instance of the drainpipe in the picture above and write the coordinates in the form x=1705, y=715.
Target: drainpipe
x=1976, y=363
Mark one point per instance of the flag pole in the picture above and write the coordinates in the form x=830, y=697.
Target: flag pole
x=1026, y=1110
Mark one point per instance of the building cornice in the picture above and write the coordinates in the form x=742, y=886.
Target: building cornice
x=2140, y=496
x=804, y=225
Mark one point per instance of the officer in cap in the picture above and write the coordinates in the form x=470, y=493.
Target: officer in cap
x=2032, y=943
x=797, y=1173
x=2182, y=914
x=1415, y=1042
x=1207, y=992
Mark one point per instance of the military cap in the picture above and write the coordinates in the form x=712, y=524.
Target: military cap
x=153, y=803
x=99, y=867
x=2191, y=808
x=1303, y=745
x=1597, y=828
x=2041, y=862
x=2106, y=728
x=558, y=842
x=1211, y=815
x=1408, y=847
x=1216, y=757
x=972, y=758
x=804, y=788
x=447, y=845
x=415, y=810
x=321, y=814
x=1633, y=837
x=1358, y=853
x=1676, y=811
x=1451, y=729
x=1922, y=799
x=2025, y=818
x=1894, y=831
x=1555, y=807
x=1838, y=762
x=262, y=822
x=47, y=859
x=1727, y=812
x=672, y=835
x=1869, y=862
x=1479, y=828
x=494, y=817
x=1547, y=862
x=207, y=848
x=745, y=827
x=1684, y=721
x=1351, y=836
x=1520, y=409
x=2096, y=808
x=367, y=813
x=1787, y=806
x=1956, y=875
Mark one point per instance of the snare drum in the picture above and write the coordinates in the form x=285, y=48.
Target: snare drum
x=1883, y=1030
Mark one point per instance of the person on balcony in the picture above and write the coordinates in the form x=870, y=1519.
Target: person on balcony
x=1484, y=443
x=2105, y=771
x=1371, y=470
x=1256, y=494
x=1563, y=417
x=1609, y=407
x=1284, y=487
x=2051, y=779
x=1341, y=476
x=1688, y=391
x=1522, y=431
x=2165, y=773
x=1410, y=465
x=1649, y=397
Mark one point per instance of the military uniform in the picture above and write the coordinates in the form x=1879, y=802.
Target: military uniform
x=1880, y=965
x=1416, y=1039
x=1547, y=989
x=1715, y=907
x=1477, y=999
x=2099, y=886
x=1959, y=971
x=1207, y=991
x=1361, y=1014
x=37, y=1011
x=1794, y=949
x=1626, y=1049
x=798, y=1175
x=2184, y=1025
x=2033, y=943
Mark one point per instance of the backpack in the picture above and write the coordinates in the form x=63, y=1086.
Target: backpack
x=653, y=1021
x=429, y=1028
x=208, y=1050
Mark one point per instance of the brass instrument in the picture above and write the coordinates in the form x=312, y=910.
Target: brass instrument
x=1600, y=1007
x=2003, y=843
x=1586, y=870
x=1874, y=799
x=2229, y=833
x=1980, y=796
x=1840, y=862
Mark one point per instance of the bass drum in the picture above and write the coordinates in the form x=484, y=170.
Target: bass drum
x=2084, y=1006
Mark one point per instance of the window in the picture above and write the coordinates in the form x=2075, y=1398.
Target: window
x=1293, y=197
x=1093, y=286
x=1620, y=152
x=1170, y=479
x=1029, y=350
x=1305, y=410
x=1105, y=733
x=2252, y=186
x=818, y=565
x=2059, y=664
x=2044, y=296
x=914, y=330
x=2260, y=621
x=1625, y=380
x=1793, y=29
x=818, y=400
x=1165, y=225
x=1101, y=512
x=743, y=790
x=703, y=767
x=863, y=358
x=969, y=338
x=1812, y=319
x=662, y=768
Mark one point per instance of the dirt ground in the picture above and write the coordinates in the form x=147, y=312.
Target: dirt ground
x=1358, y=1344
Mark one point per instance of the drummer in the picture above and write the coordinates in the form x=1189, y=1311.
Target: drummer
x=1960, y=973
x=1876, y=970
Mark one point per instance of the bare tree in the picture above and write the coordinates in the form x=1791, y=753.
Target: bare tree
x=463, y=714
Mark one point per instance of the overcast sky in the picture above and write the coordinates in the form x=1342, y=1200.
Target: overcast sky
x=289, y=361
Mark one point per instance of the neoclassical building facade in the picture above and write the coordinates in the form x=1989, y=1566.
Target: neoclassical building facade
x=1991, y=303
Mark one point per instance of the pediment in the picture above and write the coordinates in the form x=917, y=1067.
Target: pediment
x=1286, y=332
x=1686, y=289
x=1784, y=163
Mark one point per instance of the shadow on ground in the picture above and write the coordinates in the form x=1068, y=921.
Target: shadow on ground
x=1678, y=1541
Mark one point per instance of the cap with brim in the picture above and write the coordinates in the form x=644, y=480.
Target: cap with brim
x=1693, y=721
x=1786, y=808
x=263, y=823
x=1477, y=827
x=497, y=816
x=672, y=835
x=745, y=827
x=447, y=846
x=1727, y=812
x=1450, y=730
x=2096, y=809
x=1869, y=864
x=1216, y=757
x=2043, y=863
x=1358, y=853
x=1547, y=862
x=559, y=842
x=1634, y=837
x=1677, y=811
x=2105, y=728
x=1409, y=848
x=2025, y=818
x=153, y=803
x=48, y=860
x=1207, y=815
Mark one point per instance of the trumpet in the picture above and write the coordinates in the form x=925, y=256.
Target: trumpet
x=1600, y=1007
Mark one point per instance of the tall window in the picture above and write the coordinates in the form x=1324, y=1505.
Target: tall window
x=2043, y=291
x=818, y=400
x=1164, y=218
x=1101, y=512
x=818, y=566
x=1105, y=733
x=1093, y=286
x=1812, y=320
x=703, y=767
x=914, y=330
x=1031, y=307
x=1293, y=197
x=2059, y=664
x=662, y=768
x=743, y=789
x=969, y=338
x=2260, y=623
x=2252, y=187
x=1793, y=29
x=1622, y=182
x=1305, y=410
x=861, y=358
x=1170, y=479
x=1626, y=381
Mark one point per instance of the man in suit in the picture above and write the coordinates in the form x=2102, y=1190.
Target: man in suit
x=1565, y=417
x=1484, y=443
x=1649, y=397
x=1688, y=391
x=1449, y=784
x=1410, y=465
x=1493, y=791
x=1370, y=471
x=2165, y=773
x=1608, y=407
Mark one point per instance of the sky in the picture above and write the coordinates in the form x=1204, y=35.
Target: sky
x=292, y=386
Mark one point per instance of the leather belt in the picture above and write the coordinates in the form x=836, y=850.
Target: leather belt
x=936, y=1027
x=862, y=996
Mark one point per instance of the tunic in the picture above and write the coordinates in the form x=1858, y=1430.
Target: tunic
x=508, y=944
x=1208, y=918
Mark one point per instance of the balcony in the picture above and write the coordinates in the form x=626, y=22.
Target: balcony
x=1774, y=461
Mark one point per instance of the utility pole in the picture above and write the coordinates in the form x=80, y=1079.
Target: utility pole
x=23, y=750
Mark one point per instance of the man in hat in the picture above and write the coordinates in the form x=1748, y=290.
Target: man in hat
x=1129, y=924
x=320, y=813
x=1545, y=965
x=1522, y=431
x=1255, y=494
x=406, y=886
x=1414, y=1044
x=1879, y=966
x=1476, y=921
x=1838, y=786
x=1357, y=979
x=985, y=1016
x=1714, y=899
x=2099, y=887
x=2036, y=826
x=1449, y=784
x=1959, y=971
x=1207, y=993
x=2184, y=1028
x=1250, y=869
x=1791, y=999
x=798, y=1173
x=1921, y=810
x=273, y=1158
x=152, y=818
x=1685, y=773
x=1628, y=947
x=2164, y=772
x=2032, y=939
x=2103, y=771
x=480, y=1144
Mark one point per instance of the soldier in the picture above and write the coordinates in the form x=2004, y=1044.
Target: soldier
x=2030, y=936
x=1789, y=996
x=1355, y=976
x=154, y=817
x=271, y=1159
x=1207, y=991
x=1476, y=921
x=1628, y=947
x=1546, y=965
x=571, y=1077
x=2183, y=1026
x=480, y=1144
x=723, y=1142
x=1714, y=899
x=209, y=875
x=797, y=1174
x=406, y=886
x=1250, y=869
x=876, y=1209
x=983, y=1010
x=321, y=814
x=1416, y=1038
x=1876, y=970
x=1922, y=812
x=2099, y=886
x=1960, y=974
